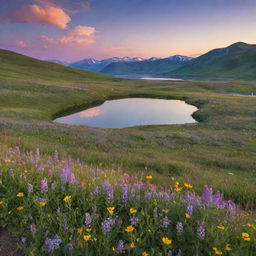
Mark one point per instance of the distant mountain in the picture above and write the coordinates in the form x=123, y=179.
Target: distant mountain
x=237, y=61
x=98, y=65
x=150, y=66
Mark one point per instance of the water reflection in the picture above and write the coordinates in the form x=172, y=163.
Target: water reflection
x=133, y=112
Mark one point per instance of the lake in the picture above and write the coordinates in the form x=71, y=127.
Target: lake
x=132, y=112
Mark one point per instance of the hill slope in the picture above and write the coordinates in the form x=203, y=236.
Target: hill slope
x=237, y=61
x=146, y=67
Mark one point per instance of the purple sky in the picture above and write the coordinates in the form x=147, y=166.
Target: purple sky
x=75, y=29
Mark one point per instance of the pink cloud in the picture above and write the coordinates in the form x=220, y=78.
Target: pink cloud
x=22, y=44
x=45, y=15
x=92, y=112
x=79, y=35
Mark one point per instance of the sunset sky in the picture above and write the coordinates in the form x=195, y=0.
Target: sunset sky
x=70, y=30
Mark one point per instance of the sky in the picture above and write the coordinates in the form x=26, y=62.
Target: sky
x=71, y=30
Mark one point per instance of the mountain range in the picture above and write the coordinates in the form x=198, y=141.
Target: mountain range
x=235, y=62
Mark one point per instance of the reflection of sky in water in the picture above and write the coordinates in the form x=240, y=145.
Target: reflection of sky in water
x=132, y=112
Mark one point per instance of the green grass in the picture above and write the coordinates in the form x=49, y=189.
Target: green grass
x=223, y=142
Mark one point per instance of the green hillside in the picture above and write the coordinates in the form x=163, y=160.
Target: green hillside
x=236, y=62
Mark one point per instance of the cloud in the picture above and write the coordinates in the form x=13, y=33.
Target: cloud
x=22, y=44
x=83, y=35
x=89, y=113
x=46, y=14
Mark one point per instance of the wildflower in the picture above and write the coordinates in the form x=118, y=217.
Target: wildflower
x=132, y=245
x=166, y=240
x=87, y=237
x=186, y=185
x=80, y=231
x=20, y=194
x=67, y=198
x=249, y=225
x=69, y=247
x=228, y=247
x=145, y=254
x=120, y=247
x=189, y=210
x=201, y=232
x=66, y=176
x=134, y=221
x=179, y=252
x=165, y=210
x=1, y=202
x=246, y=237
x=30, y=188
x=166, y=222
x=33, y=228
x=187, y=216
x=111, y=210
x=221, y=227
x=179, y=227
x=43, y=203
x=53, y=244
x=132, y=210
x=88, y=220
x=217, y=252
x=20, y=208
x=44, y=185
x=125, y=196
x=207, y=195
x=23, y=240
x=169, y=253
x=83, y=183
x=129, y=229
x=88, y=230
x=177, y=189
x=107, y=225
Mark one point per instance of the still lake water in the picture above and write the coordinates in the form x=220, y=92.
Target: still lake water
x=132, y=112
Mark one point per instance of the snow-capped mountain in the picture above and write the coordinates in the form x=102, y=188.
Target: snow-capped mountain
x=179, y=58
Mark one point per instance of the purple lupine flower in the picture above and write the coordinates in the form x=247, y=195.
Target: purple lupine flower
x=179, y=252
x=66, y=176
x=53, y=244
x=201, y=232
x=120, y=247
x=44, y=185
x=69, y=247
x=33, y=228
x=166, y=222
x=148, y=195
x=169, y=253
x=37, y=157
x=96, y=190
x=207, y=195
x=88, y=220
x=110, y=193
x=179, y=227
x=30, y=188
x=189, y=210
x=134, y=221
x=23, y=240
x=133, y=193
x=125, y=196
x=107, y=225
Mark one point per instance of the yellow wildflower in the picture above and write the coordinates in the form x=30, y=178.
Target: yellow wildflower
x=83, y=183
x=217, y=252
x=145, y=254
x=113, y=249
x=166, y=240
x=80, y=231
x=132, y=245
x=149, y=177
x=20, y=194
x=165, y=210
x=111, y=210
x=220, y=227
x=7, y=161
x=249, y=225
x=176, y=184
x=228, y=247
x=1, y=202
x=42, y=204
x=177, y=189
x=88, y=230
x=87, y=237
x=187, y=185
x=67, y=198
x=246, y=237
x=20, y=208
x=187, y=216
x=129, y=229
x=132, y=210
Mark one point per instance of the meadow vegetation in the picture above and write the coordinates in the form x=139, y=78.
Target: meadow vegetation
x=219, y=150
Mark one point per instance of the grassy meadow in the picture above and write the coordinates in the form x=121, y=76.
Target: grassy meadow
x=219, y=150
